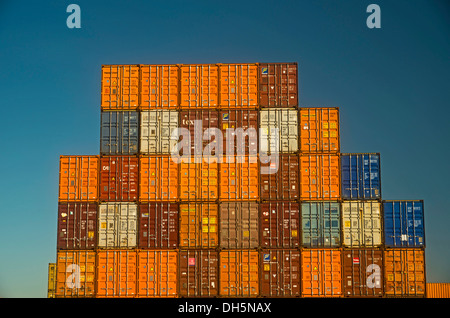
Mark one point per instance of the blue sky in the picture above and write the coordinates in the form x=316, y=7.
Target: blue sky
x=392, y=86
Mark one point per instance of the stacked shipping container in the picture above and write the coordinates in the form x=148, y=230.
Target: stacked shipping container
x=272, y=209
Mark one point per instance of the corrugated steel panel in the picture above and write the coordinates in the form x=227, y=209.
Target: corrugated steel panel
x=278, y=84
x=156, y=129
x=78, y=178
x=404, y=223
x=117, y=225
x=119, y=133
x=360, y=174
x=120, y=87
x=159, y=86
x=283, y=120
x=319, y=130
x=438, y=290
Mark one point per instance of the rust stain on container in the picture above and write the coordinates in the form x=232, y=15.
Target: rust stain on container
x=199, y=224
x=199, y=273
x=319, y=177
x=78, y=178
x=158, y=178
x=278, y=84
x=119, y=177
x=238, y=85
x=120, y=87
x=159, y=86
x=319, y=130
x=283, y=183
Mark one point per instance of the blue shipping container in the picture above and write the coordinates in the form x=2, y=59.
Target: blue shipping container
x=321, y=226
x=360, y=176
x=404, y=223
x=119, y=134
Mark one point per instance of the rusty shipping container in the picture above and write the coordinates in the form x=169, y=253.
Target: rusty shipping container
x=279, y=224
x=278, y=84
x=239, y=178
x=75, y=273
x=156, y=130
x=362, y=272
x=116, y=273
x=158, y=225
x=239, y=224
x=404, y=272
x=199, y=86
x=239, y=273
x=321, y=272
x=198, y=273
x=78, y=178
x=158, y=178
x=282, y=180
x=77, y=225
x=119, y=178
x=238, y=85
x=280, y=273
x=199, y=180
x=158, y=87
x=157, y=273
x=239, y=129
x=199, y=225
x=319, y=130
x=120, y=87
x=319, y=177
x=438, y=290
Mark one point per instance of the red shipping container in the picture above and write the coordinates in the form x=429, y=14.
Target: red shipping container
x=278, y=85
x=119, y=178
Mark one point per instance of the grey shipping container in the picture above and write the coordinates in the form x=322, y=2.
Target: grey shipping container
x=119, y=133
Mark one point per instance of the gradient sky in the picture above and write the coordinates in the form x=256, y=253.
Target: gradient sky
x=392, y=86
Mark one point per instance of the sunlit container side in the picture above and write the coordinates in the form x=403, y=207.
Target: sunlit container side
x=404, y=223
x=360, y=176
x=199, y=180
x=321, y=224
x=404, y=272
x=239, y=273
x=117, y=225
x=157, y=273
x=116, y=273
x=239, y=128
x=438, y=290
x=239, y=178
x=361, y=223
x=280, y=273
x=120, y=87
x=159, y=86
x=279, y=224
x=238, y=85
x=199, y=225
x=75, y=273
x=119, y=178
x=198, y=273
x=278, y=84
x=319, y=130
x=199, y=86
x=78, y=178
x=158, y=178
x=278, y=130
x=51, y=285
x=158, y=225
x=362, y=272
x=321, y=273
x=319, y=177
x=156, y=131
x=77, y=225
x=282, y=181
x=119, y=133
x=200, y=124
x=239, y=224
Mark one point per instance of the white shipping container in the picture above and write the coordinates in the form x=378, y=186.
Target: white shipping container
x=117, y=225
x=361, y=223
x=156, y=129
x=285, y=120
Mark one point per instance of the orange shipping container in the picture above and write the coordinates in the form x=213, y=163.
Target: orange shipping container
x=159, y=86
x=158, y=178
x=199, y=225
x=120, y=87
x=116, y=273
x=404, y=272
x=199, y=180
x=438, y=290
x=78, y=178
x=239, y=273
x=319, y=130
x=319, y=177
x=75, y=273
x=199, y=86
x=239, y=178
x=238, y=85
x=321, y=273
x=157, y=273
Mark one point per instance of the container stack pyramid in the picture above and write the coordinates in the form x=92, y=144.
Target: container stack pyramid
x=237, y=211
